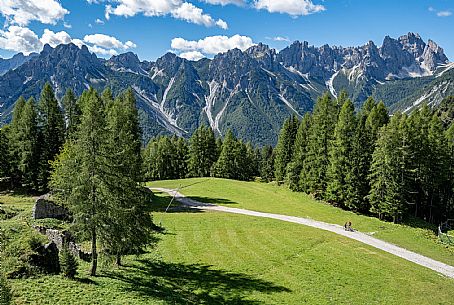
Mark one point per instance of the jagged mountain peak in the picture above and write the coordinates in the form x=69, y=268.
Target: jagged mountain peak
x=250, y=91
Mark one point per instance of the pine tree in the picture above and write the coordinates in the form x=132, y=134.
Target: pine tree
x=202, y=152
x=284, y=148
x=313, y=176
x=68, y=263
x=72, y=112
x=52, y=128
x=340, y=168
x=299, y=154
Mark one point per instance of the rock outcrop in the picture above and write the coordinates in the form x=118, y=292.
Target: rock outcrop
x=44, y=208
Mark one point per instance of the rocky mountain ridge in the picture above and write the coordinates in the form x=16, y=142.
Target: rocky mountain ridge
x=251, y=91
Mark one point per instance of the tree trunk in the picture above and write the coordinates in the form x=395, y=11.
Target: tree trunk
x=94, y=253
x=118, y=260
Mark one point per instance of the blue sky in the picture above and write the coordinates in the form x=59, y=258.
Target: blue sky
x=149, y=27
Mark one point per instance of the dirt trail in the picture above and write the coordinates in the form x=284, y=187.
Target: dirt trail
x=361, y=237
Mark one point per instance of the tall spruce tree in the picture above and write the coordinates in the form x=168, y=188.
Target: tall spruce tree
x=284, y=148
x=202, y=152
x=225, y=167
x=52, y=129
x=267, y=164
x=29, y=147
x=340, y=172
x=449, y=136
x=438, y=171
x=313, y=176
x=389, y=172
x=5, y=161
x=299, y=154
x=14, y=141
x=181, y=157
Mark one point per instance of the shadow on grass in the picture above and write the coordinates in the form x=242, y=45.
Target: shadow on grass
x=191, y=284
x=84, y=280
x=212, y=200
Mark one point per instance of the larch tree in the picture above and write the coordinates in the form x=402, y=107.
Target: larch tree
x=79, y=180
x=128, y=227
x=71, y=112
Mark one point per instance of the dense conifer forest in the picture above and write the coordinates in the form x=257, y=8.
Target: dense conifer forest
x=362, y=160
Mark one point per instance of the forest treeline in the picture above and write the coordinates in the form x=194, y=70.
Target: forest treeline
x=364, y=160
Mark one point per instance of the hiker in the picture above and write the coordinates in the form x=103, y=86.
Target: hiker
x=350, y=226
x=345, y=226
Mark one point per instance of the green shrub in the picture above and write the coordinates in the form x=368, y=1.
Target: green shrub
x=5, y=291
x=68, y=263
x=19, y=244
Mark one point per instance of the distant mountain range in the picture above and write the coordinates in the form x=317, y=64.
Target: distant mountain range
x=249, y=91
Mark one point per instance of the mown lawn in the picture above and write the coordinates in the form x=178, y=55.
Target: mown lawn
x=417, y=236
x=217, y=258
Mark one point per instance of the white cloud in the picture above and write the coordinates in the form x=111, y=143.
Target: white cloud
x=279, y=38
x=226, y=2
x=292, y=7
x=444, y=13
x=22, y=12
x=176, y=8
x=102, y=51
x=54, y=39
x=192, y=55
x=213, y=44
x=99, y=21
x=439, y=13
x=22, y=39
x=67, y=25
x=19, y=39
x=108, y=42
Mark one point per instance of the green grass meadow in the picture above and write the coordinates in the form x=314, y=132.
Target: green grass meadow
x=220, y=258
x=416, y=236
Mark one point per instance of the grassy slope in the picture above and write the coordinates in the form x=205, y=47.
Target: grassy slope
x=216, y=258
x=270, y=198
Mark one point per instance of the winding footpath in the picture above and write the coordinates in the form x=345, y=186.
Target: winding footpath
x=416, y=258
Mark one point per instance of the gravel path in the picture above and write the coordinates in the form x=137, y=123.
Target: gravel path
x=361, y=237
